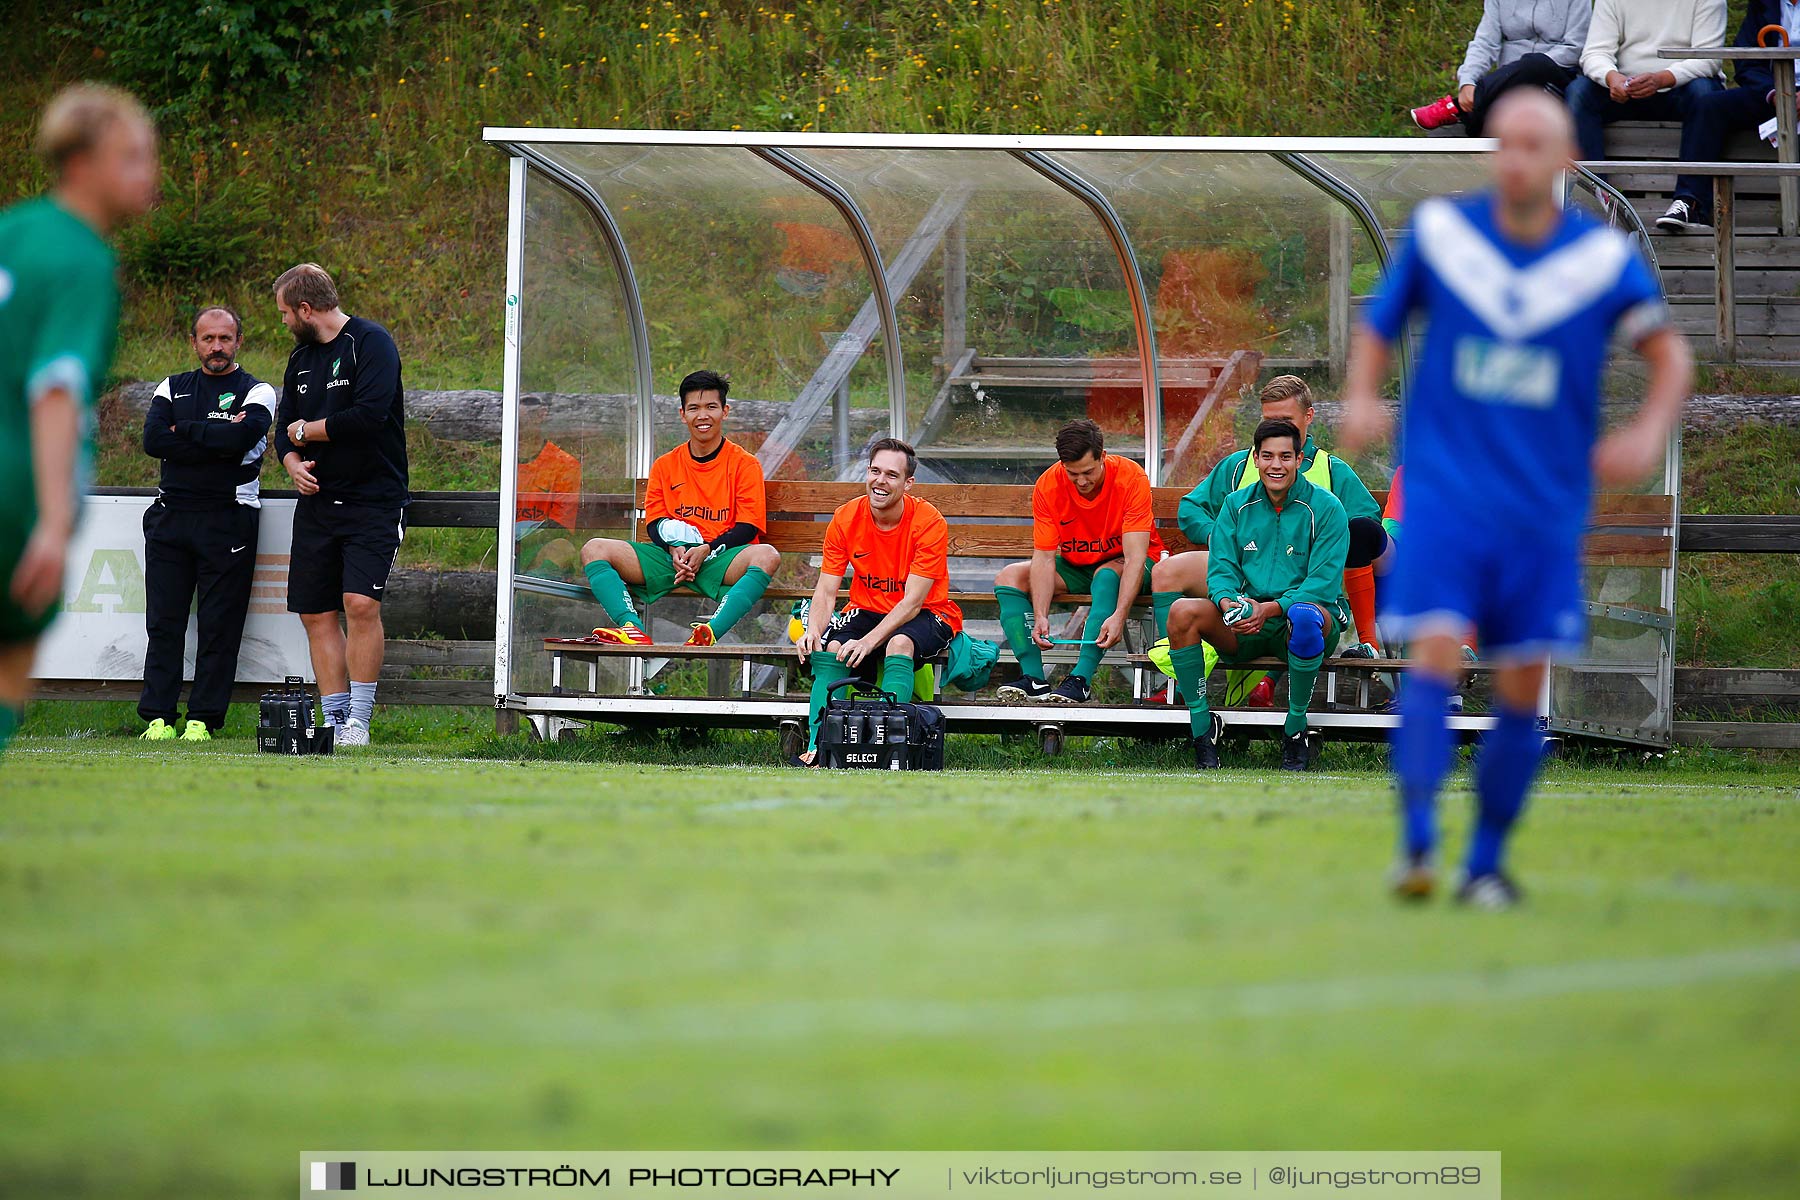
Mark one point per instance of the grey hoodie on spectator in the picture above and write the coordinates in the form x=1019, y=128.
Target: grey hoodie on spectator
x=1511, y=29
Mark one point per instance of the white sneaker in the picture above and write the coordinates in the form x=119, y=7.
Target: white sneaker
x=352, y=733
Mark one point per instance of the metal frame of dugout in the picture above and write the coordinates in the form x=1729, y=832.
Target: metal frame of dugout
x=634, y=256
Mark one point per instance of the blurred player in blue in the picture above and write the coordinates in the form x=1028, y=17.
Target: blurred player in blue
x=1501, y=440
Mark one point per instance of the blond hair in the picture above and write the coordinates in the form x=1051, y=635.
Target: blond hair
x=1286, y=387
x=308, y=283
x=79, y=115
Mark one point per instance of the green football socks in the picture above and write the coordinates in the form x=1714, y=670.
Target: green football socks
x=1301, y=674
x=738, y=601
x=1191, y=669
x=1015, y=622
x=1104, y=600
x=9, y=724
x=897, y=677
x=1161, y=603
x=826, y=670
x=614, y=597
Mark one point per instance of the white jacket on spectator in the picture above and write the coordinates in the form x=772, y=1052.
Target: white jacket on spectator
x=1625, y=35
x=1511, y=29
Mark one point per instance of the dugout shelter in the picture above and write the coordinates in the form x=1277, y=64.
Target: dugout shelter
x=968, y=294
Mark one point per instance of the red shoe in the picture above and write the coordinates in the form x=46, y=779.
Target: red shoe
x=1263, y=694
x=624, y=635
x=702, y=635
x=1438, y=114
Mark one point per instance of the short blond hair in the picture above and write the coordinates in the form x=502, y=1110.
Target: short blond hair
x=308, y=283
x=79, y=115
x=1286, y=387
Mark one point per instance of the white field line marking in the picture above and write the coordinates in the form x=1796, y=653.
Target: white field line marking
x=891, y=1017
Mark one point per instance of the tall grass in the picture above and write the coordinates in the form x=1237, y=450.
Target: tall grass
x=385, y=180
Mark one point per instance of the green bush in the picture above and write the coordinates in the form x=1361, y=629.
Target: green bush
x=216, y=237
x=187, y=60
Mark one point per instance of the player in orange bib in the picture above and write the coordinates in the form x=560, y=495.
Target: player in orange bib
x=1093, y=531
x=900, y=612
x=705, y=514
x=548, y=507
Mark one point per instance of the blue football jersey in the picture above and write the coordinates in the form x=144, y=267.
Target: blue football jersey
x=1505, y=402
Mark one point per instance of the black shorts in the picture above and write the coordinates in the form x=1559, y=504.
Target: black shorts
x=341, y=548
x=929, y=632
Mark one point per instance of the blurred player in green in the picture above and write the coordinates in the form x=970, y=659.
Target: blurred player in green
x=59, y=317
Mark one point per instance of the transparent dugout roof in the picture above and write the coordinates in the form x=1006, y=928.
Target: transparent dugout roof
x=971, y=294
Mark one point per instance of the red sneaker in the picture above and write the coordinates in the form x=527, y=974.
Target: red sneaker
x=624, y=635
x=1438, y=114
x=702, y=635
x=1263, y=694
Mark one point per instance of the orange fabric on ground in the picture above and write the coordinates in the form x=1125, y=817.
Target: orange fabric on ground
x=711, y=496
x=918, y=545
x=550, y=488
x=1359, y=586
x=1085, y=531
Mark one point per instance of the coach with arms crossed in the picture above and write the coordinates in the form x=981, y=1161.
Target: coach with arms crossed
x=210, y=428
x=341, y=434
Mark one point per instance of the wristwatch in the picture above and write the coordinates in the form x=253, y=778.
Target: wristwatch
x=301, y=439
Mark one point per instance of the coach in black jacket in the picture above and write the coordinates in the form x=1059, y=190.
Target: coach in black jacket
x=209, y=427
x=1717, y=116
x=341, y=434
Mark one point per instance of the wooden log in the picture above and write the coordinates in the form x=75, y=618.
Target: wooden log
x=452, y=604
x=473, y=415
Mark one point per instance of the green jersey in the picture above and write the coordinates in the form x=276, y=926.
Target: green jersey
x=59, y=318
x=1292, y=553
x=1200, y=507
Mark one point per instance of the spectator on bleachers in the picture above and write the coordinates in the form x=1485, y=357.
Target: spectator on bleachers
x=1622, y=79
x=1519, y=43
x=1723, y=113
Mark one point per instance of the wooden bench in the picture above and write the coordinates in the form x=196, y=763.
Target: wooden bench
x=990, y=523
x=993, y=521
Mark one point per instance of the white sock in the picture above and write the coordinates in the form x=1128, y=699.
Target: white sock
x=362, y=701
x=336, y=706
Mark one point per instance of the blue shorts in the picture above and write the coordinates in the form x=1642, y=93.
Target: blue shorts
x=1521, y=591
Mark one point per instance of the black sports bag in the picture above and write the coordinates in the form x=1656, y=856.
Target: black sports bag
x=879, y=733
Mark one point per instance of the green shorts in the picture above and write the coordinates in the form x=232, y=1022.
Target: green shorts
x=1081, y=579
x=658, y=566
x=16, y=627
x=1272, y=641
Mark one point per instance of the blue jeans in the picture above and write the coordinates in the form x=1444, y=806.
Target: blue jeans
x=1715, y=119
x=1594, y=109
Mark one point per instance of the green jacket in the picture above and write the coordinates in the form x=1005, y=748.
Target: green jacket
x=1200, y=507
x=1288, y=555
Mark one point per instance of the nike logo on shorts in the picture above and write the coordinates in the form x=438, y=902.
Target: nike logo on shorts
x=235, y=549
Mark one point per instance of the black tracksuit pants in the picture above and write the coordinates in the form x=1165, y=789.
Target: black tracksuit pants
x=212, y=553
x=1533, y=70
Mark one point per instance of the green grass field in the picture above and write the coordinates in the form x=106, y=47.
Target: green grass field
x=212, y=960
